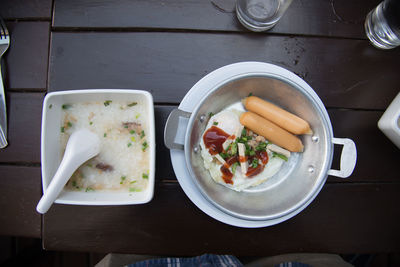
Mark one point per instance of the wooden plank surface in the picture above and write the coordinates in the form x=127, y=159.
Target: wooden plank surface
x=26, y=60
x=332, y=223
x=311, y=17
x=20, y=192
x=344, y=73
x=24, y=122
x=26, y=9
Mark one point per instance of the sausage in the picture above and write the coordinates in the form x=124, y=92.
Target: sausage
x=277, y=115
x=271, y=131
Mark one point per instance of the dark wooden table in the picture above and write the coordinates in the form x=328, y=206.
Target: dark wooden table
x=165, y=47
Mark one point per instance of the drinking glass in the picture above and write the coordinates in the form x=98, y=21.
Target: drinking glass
x=382, y=25
x=260, y=15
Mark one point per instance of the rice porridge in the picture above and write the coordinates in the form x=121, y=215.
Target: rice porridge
x=123, y=161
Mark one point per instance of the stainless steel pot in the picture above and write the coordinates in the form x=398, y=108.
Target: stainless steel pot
x=301, y=178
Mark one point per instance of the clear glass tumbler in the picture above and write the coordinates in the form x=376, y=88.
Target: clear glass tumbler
x=382, y=25
x=260, y=15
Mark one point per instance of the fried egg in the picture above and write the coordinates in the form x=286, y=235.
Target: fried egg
x=228, y=121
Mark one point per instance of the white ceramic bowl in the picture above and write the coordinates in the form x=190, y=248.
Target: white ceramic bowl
x=51, y=152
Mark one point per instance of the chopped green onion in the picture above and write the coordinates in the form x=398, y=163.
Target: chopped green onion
x=105, y=135
x=132, y=182
x=261, y=146
x=66, y=106
x=133, y=139
x=210, y=114
x=244, y=132
x=91, y=123
x=89, y=189
x=126, y=126
x=250, y=94
x=145, y=176
x=234, y=166
x=224, y=155
x=234, y=148
x=62, y=129
x=137, y=116
x=132, y=132
x=122, y=179
x=254, y=164
x=252, y=153
x=132, y=189
x=144, y=146
x=274, y=154
x=142, y=134
x=132, y=104
x=129, y=144
x=215, y=123
x=107, y=103
x=69, y=124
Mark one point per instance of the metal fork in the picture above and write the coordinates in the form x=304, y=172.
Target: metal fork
x=4, y=44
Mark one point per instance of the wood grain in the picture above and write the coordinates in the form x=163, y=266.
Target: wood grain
x=24, y=123
x=313, y=17
x=26, y=60
x=330, y=224
x=344, y=73
x=26, y=9
x=20, y=191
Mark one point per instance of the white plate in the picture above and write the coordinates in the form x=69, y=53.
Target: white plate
x=198, y=91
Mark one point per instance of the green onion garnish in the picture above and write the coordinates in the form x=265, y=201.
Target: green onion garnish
x=62, y=129
x=274, y=154
x=66, y=106
x=142, y=134
x=254, y=164
x=234, y=166
x=144, y=146
x=145, y=176
x=132, y=104
x=107, y=103
x=132, y=132
x=215, y=123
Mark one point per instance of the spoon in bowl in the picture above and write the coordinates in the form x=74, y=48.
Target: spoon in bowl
x=82, y=146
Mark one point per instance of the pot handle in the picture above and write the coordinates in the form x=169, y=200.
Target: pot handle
x=348, y=158
x=175, y=129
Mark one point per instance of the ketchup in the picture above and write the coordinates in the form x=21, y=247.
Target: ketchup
x=254, y=171
x=263, y=156
x=226, y=175
x=213, y=139
x=232, y=160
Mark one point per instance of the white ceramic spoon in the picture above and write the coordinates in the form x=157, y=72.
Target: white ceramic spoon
x=82, y=146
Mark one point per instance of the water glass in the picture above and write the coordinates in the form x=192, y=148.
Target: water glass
x=260, y=15
x=382, y=25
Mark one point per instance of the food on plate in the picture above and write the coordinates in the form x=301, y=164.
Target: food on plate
x=271, y=131
x=235, y=156
x=277, y=115
x=124, y=160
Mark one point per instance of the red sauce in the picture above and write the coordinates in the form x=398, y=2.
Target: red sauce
x=226, y=175
x=254, y=171
x=242, y=159
x=231, y=160
x=263, y=156
x=213, y=139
